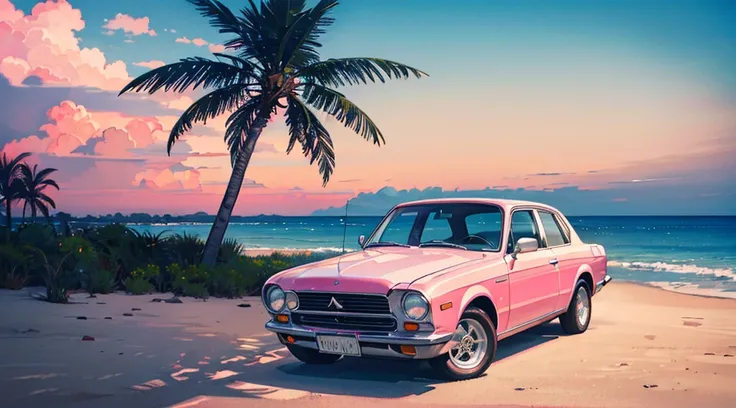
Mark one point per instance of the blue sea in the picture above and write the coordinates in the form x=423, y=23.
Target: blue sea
x=697, y=254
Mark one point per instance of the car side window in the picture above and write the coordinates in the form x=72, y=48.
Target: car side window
x=554, y=234
x=523, y=225
x=436, y=228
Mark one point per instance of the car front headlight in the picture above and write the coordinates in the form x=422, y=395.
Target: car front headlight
x=275, y=299
x=415, y=306
x=292, y=300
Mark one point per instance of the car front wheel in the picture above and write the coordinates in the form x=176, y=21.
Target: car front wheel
x=577, y=317
x=474, y=347
x=309, y=356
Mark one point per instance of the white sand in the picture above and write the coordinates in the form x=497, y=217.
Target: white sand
x=215, y=354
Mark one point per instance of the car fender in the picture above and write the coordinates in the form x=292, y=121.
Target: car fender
x=472, y=293
x=584, y=268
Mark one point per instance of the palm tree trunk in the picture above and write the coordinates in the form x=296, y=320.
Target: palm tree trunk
x=8, y=217
x=23, y=219
x=217, y=233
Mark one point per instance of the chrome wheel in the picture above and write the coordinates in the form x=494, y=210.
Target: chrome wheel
x=582, y=306
x=471, y=344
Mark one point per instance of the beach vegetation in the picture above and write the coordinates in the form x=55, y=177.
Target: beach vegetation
x=273, y=64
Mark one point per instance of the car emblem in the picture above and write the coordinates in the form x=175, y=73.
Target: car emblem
x=334, y=302
x=337, y=282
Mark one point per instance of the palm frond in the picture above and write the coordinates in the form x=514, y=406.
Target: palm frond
x=337, y=105
x=353, y=71
x=238, y=125
x=305, y=127
x=44, y=197
x=219, y=15
x=209, y=106
x=41, y=175
x=299, y=44
x=189, y=72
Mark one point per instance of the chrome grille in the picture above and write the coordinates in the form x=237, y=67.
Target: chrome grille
x=350, y=302
x=346, y=322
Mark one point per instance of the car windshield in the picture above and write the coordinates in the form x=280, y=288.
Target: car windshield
x=461, y=226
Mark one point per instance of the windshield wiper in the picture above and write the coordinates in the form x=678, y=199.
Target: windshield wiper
x=386, y=243
x=441, y=243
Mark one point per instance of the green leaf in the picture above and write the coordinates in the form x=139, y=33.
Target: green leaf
x=353, y=71
x=337, y=105
x=209, y=106
x=316, y=142
x=189, y=73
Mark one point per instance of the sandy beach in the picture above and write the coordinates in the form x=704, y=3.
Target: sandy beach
x=646, y=347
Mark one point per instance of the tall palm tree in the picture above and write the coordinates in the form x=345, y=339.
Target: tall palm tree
x=275, y=64
x=33, y=195
x=11, y=184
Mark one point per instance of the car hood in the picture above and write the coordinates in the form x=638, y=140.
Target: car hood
x=375, y=270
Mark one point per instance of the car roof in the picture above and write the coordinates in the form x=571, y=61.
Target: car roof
x=503, y=203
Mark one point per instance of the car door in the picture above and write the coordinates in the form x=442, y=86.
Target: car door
x=533, y=280
x=557, y=238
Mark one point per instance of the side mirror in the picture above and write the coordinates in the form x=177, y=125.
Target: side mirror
x=361, y=240
x=524, y=245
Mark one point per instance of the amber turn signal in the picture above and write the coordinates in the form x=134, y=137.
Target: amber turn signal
x=408, y=326
x=282, y=318
x=409, y=350
x=290, y=339
x=446, y=306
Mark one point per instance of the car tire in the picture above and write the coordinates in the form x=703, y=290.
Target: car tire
x=447, y=365
x=309, y=356
x=575, y=321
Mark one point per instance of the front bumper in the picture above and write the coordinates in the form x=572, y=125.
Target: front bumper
x=602, y=283
x=374, y=345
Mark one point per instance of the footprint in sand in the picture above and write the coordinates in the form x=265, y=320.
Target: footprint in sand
x=650, y=337
x=267, y=392
x=691, y=323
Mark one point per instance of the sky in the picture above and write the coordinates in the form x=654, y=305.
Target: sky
x=610, y=107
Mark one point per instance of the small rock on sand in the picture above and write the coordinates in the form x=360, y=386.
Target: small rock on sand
x=244, y=305
x=108, y=318
x=101, y=303
x=81, y=317
x=519, y=389
x=650, y=385
x=128, y=314
x=88, y=338
x=173, y=300
x=710, y=354
x=650, y=337
x=728, y=355
x=135, y=309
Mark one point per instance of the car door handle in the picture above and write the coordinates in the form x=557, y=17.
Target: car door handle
x=553, y=261
x=502, y=279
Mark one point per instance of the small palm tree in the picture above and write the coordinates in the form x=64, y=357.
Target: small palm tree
x=275, y=65
x=33, y=195
x=11, y=184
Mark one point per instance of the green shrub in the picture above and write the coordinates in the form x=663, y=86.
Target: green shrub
x=185, y=249
x=59, y=268
x=138, y=286
x=99, y=280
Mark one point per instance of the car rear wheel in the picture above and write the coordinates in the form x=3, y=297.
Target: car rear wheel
x=474, y=347
x=577, y=318
x=309, y=356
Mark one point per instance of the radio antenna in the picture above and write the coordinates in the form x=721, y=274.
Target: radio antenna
x=345, y=226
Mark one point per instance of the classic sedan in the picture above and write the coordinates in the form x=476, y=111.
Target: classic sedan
x=442, y=280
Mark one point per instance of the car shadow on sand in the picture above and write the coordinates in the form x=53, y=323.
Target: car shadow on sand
x=380, y=378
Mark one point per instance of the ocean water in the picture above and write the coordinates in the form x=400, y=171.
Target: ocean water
x=693, y=252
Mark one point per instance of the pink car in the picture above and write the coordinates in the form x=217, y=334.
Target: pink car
x=442, y=280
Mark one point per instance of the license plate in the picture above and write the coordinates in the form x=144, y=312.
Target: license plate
x=347, y=346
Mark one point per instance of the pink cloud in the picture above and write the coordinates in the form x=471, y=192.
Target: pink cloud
x=130, y=25
x=219, y=48
x=44, y=43
x=72, y=126
x=116, y=143
x=199, y=42
x=150, y=64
